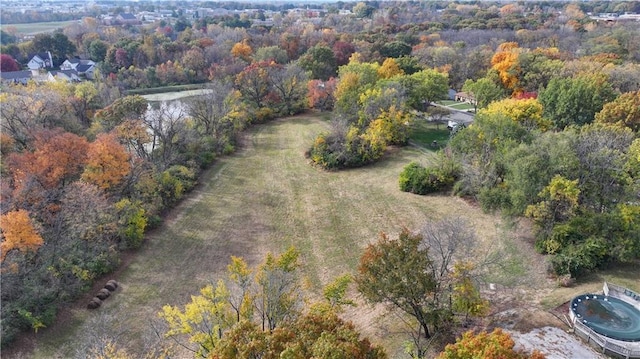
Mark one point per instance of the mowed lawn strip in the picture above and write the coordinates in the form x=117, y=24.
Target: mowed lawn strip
x=266, y=197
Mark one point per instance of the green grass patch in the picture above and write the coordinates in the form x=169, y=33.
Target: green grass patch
x=447, y=102
x=462, y=106
x=38, y=27
x=423, y=133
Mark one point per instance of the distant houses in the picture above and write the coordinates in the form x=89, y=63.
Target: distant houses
x=16, y=77
x=465, y=97
x=41, y=70
x=84, y=68
x=63, y=75
x=41, y=61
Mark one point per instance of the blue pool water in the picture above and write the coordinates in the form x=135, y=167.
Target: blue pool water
x=608, y=316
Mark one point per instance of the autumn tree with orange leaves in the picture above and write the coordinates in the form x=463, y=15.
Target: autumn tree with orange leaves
x=57, y=159
x=496, y=344
x=505, y=62
x=242, y=50
x=107, y=162
x=18, y=233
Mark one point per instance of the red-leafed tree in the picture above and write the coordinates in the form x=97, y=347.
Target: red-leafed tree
x=254, y=83
x=40, y=174
x=342, y=51
x=321, y=94
x=7, y=63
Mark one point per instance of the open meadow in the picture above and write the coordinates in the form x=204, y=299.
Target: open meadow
x=267, y=197
x=38, y=27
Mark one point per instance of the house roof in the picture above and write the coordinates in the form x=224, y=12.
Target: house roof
x=83, y=68
x=68, y=74
x=65, y=72
x=15, y=75
x=78, y=61
x=465, y=94
x=127, y=16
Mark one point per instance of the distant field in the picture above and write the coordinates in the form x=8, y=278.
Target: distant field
x=38, y=27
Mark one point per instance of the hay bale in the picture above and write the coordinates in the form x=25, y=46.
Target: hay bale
x=95, y=303
x=111, y=285
x=103, y=293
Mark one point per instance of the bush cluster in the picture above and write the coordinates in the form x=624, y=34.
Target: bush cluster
x=417, y=179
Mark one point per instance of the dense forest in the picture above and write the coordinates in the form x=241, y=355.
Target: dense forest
x=89, y=167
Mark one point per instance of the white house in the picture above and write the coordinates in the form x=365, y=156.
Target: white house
x=64, y=75
x=72, y=64
x=40, y=61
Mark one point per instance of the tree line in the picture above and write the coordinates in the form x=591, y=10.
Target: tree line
x=567, y=158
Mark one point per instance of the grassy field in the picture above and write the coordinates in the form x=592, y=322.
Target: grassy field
x=267, y=197
x=423, y=133
x=461, y=106
x=38, y=27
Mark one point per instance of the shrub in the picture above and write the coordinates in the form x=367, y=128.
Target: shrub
x=132, y=221
x=420, y=180
x=493, y=198
x=264, y=114
x=578, y=259
x=174, y=183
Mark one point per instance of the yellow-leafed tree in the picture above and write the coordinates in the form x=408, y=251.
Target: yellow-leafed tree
x=389, y=69
x=527, y=112
x=242, y=50
x=505, y=62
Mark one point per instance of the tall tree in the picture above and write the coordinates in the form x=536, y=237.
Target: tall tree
x=320, y=61
x=278, y=296
x=289, y=84
x=424, y=87
x=210, y=111
x=254, y=83
x=98, y=50
x=505, y=62
x=58, y=44
x=242, y=50
x=575, y=101
x=107, y=162
x=484, y=90
x=413, y=274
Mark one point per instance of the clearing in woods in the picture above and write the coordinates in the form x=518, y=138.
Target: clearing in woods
x=267, y=197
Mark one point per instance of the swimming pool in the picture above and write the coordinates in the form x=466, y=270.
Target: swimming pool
x=608, y=316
